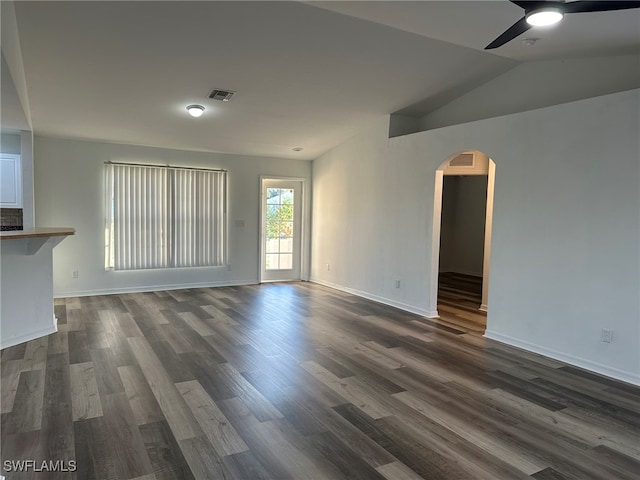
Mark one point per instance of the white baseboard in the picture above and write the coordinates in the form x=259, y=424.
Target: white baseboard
x=376, y=298
x=10, y=342
x=590, y=365
x=149, y=288
x=615, y=373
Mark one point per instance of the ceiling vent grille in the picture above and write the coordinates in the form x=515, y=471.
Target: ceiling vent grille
x=221, y=95
x=462, y=160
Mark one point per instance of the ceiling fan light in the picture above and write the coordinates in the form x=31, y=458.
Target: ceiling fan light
x=544, y=16
x=195, y=110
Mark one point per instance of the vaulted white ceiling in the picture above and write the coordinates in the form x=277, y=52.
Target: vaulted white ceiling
x=306, y=75
x=474, y=24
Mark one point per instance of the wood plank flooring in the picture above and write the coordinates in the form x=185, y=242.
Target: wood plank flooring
x=459, y=299
x=298, y=381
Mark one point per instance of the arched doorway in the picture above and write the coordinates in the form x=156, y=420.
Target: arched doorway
x=466, y=164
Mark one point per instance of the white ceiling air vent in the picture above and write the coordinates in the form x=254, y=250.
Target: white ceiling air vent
x=222, y=95
x=462, y=160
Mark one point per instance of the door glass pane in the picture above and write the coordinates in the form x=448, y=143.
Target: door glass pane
x=279, y=229
x=273, y=245
x=286, y=245
x=272, y=261
x=286, y=228
x=286, y=261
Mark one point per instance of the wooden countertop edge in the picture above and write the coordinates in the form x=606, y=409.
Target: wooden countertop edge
x=38, y=232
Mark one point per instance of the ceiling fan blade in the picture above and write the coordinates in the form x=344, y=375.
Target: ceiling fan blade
x=512, y=32
x=598, y=6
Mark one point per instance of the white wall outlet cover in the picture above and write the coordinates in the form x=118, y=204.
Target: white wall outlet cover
x=606, y=335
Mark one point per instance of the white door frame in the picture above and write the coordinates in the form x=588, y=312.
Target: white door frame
x=262, y=225
x=435, y=237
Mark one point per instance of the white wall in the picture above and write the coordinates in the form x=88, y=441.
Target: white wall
x=26, y=310
x=15, y=100
x=355, y=206
x=464, y=203
x=565, y=253
x=69, y=192
x=10, y=143
x=13, y=115
x=539, y=84
x=403, y=125
x=28, y=197
x=448, y=221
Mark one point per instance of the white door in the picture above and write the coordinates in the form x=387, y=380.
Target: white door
x=281, y=232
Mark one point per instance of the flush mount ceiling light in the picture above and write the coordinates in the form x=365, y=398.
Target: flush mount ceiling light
x=195, y=110
x=544, y=17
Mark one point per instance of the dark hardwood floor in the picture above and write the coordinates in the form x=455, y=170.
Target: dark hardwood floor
x=298, y=381
x=459, y=300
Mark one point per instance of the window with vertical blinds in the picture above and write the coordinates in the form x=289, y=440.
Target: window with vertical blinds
x=164, y=217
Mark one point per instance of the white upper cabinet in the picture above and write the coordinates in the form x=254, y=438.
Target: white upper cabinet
x=10, y=181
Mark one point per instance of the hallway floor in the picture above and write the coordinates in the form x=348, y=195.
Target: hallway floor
x=459, y=299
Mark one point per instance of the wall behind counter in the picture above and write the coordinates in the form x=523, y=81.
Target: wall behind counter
x=69, y=191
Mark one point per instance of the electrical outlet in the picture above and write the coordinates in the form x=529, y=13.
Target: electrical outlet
x=606, y=335
x=75, y=274
x=328, y=267
x=397, y=283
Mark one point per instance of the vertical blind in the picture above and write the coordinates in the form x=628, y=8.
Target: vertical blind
x=163, y=217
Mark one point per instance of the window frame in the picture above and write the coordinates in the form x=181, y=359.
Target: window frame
x=168, y=238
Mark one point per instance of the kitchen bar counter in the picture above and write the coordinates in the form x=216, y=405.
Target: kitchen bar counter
x=38, y=232
x=26, y=283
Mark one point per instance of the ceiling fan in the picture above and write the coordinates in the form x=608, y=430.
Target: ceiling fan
x=548, y=12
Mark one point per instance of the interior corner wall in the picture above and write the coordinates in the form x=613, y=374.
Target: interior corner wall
x=69, y=192
x=358, y=220
x=565, y=259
